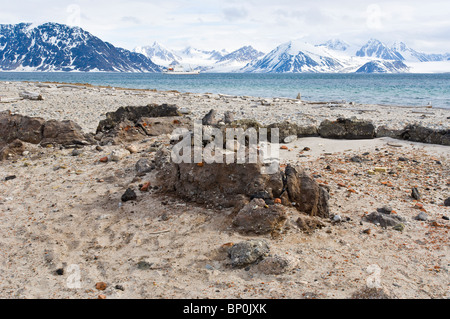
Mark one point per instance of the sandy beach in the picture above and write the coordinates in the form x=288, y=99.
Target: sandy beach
x=62, y=220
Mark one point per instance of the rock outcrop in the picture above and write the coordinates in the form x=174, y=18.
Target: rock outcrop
x=350, y=129
x=15, y=128
x=129, y=124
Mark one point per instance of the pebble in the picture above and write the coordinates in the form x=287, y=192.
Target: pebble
x=290, y=139
x=129, y=195
x=10, y=178
x=132, y=149
x=101, y=286
x=422, y=216
x=76, y=152
x=381, y=169
x=415, y=194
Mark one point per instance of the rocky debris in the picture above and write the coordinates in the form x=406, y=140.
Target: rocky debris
x=415, y=194
x=144, y=166
x=129, y=195
x=248, y=252
x=10, y=178
x=14, y=148
x=129, y=124
x=232, y=185
x=287, y=129
x=418, y=133
x=309, y=224
x=385, y=210
x=118, y=155
x=347, y=129
x=384, y=131
x=15, y=127
x=276, y=265
x=384, y=220
x=259, y=218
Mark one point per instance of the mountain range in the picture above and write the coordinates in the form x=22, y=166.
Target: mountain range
x=58, y=47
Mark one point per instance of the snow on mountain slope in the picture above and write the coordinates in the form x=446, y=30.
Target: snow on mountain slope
x=159, y=54
x=377, y=49
x=58, y=47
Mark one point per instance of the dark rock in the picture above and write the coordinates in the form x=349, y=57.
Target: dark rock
x=15, y=148
x=445, y=217
x=447, y=202
x=65, y=133
x=303, y=190
x=248, y=252
x=415, y=194
x=276, y=265
x=402, y=159
x=228, y=117
x=259, y=218
x=347, y=129
x=385, y=210
x=422, y=216
x=129, y=195
x=119, y=287
x=287, y=129
x=356, y=159
x=10, y=178
x=59, y=272
x=210, y=118
x=143, y=265
x=144, y=166
x=383, y=131
x=418, y=133
x=383, y=220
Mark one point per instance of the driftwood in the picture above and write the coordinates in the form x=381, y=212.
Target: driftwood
x=31, y=96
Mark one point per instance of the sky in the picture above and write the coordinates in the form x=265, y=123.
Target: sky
x=231, y=24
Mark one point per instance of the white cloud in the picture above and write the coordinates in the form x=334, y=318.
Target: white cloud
x=231, y=24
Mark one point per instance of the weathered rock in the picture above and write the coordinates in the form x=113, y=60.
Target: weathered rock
x=422, y=216
x=347, y=129
x=303, y=190
x=66, y=133
x=210, y=118
x=309, y=224
x=384, y=220
x=259, y=218
x=287, y=129
x=447, y=202
x=228, y=117
x=415, y=194
x=418, y=133
x=384, y=131
x=144, y=166
x=290, y=139
x=276, y=265
x=129, y=195
x=248, y=252
x=130, y=124
x=14, y=148
x=232, y=185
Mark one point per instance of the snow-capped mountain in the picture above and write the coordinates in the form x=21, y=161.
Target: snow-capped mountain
x=336, y=44
x=383, y=66
x=58, y=47
x=159, y=54
x=377, y=49
x=245, y=54
x=296, y=57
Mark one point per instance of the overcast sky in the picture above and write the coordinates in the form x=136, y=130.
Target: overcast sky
x=213, y=24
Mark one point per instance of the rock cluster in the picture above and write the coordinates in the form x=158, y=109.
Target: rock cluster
x=17, y=129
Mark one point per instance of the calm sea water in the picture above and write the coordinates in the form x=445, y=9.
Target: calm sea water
x=392, y=89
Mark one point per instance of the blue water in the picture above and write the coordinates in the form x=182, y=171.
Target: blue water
x=392, y=89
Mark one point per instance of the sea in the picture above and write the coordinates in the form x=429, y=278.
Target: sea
x=387, y=89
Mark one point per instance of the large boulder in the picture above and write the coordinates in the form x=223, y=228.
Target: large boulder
x=291, y=129
x=66, y=133
x=347, y=129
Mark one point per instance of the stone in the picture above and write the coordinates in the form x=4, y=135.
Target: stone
x=399, y=227
x=287, y=129
x=447, y=202
x=228, y=117
x=10, y=178
x=418, y=133
x=422, y=216
x=385, y=210
x=415, y=194
x=210, y=118
x=144, y=166
x=347, y=129
x=65, y=133
x=132, y=149
x=380, y=169
x=383, y=220
x=129, y=195
x=276, y=265
x=101, y=286
x=118, y=155
x=259, y=218
x=248, y=252
x=290, y=139
x=309, y=224
x=143, y=265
